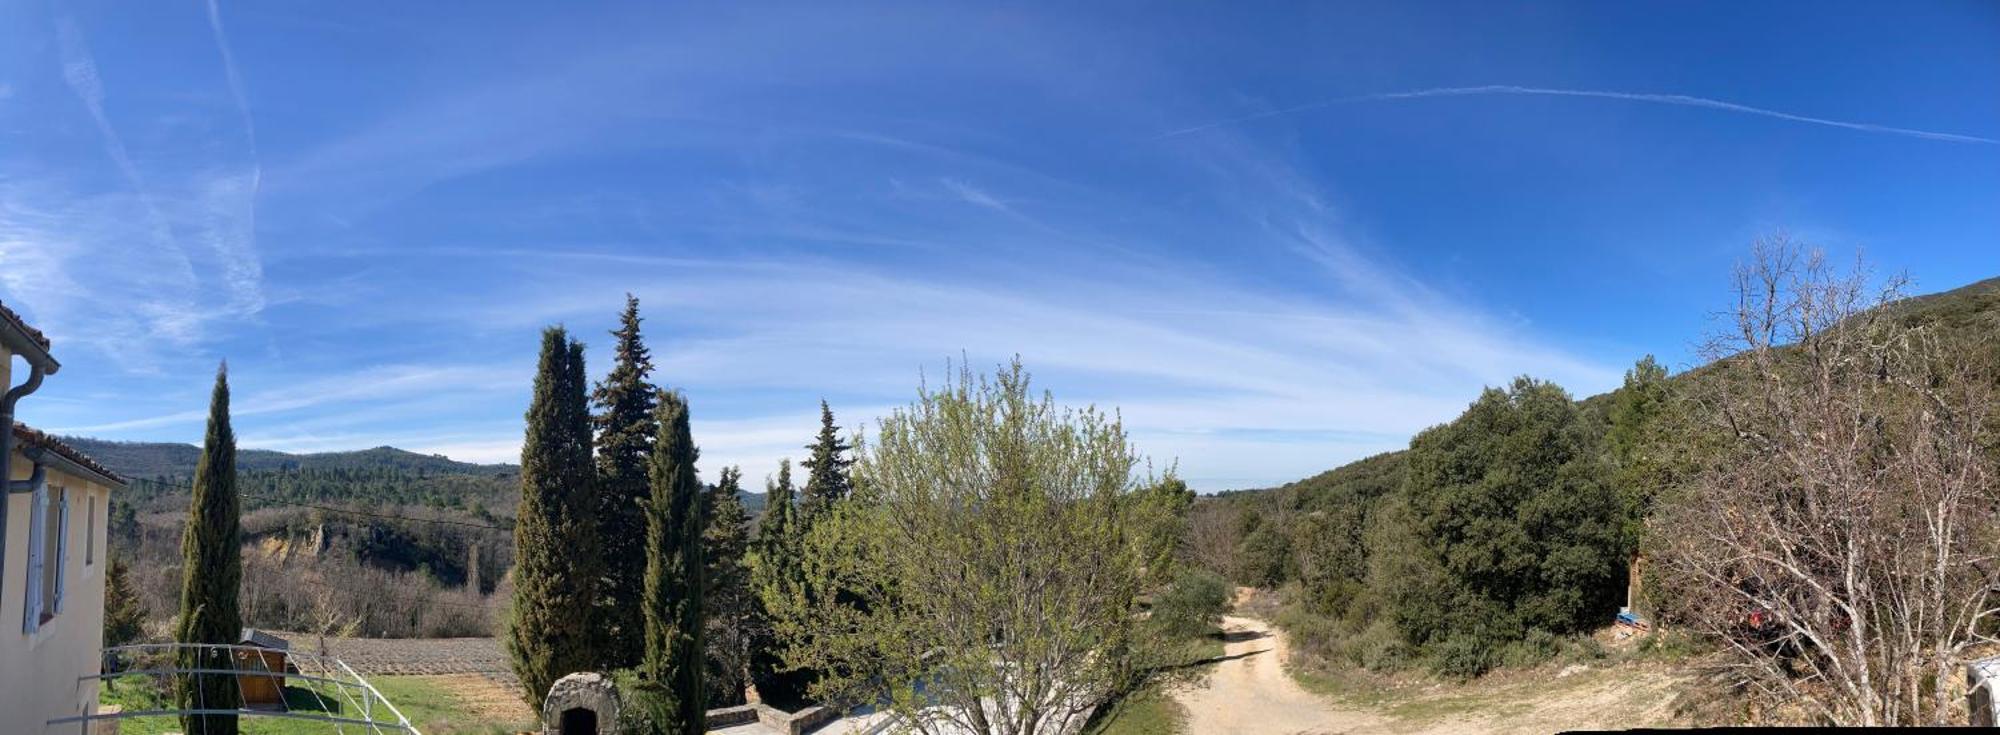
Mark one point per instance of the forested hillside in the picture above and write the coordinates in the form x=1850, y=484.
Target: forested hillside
x=155, y=459
x=1506, y=536
x=394, y=542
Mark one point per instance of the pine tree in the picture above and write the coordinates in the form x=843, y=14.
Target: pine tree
x=124, y=614
x=625, y=431
x=554, y=631
x=775, y=571
x=732, y=612
x=826, y=479
x=675, y=657
x=211, y=575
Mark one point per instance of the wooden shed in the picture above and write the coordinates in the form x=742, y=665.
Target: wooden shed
x=260, y=688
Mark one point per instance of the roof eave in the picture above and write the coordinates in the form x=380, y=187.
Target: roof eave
x=52, y=458
x=20, y=340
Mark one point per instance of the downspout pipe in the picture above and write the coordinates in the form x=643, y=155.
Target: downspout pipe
x=13, y=396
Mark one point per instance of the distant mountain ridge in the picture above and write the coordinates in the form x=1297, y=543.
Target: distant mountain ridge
x=173, y=459
x=1967, y=312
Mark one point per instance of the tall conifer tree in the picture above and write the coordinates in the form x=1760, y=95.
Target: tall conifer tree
x=826, y=479
x=675, y=657
x=211, y=575
x=776, y=572
x=555, y=631
x=732, y=610
x=625, y=431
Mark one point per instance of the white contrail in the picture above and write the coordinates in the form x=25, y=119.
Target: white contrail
x=229, y=70
x=1662, y=99
x=80, y=73
x=238, y=247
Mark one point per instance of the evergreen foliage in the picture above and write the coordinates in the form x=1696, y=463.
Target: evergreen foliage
x=827, y=480
x=674, y=663
x=732, y=609
x=776, y=572
x=211, y=575
x=124, y=615
x=1504, y=527
x=1638, y=442
x=1192, y=605
x=626, y=426
x=554, y=629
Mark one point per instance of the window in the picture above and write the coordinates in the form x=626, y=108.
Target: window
x=48, y=548
x=90, y=532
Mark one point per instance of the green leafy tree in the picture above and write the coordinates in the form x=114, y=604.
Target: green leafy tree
x=625, y=426
x=775, y=573
x=1265, y=557
x=1639, y=442
x=1192, y=605
x=124, y=614
x=732, y=609
x=1504, y=527
x=1159, y=518
x=124, y=523
x=675, y=658
x=211, y=576
x=554, y=630
x=827, y=479
x=989, y=541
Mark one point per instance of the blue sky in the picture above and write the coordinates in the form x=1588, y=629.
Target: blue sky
x=1277, y=239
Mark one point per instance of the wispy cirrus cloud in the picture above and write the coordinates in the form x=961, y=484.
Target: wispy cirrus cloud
x=1679, y=100
x=365, y=388
x=140, y=269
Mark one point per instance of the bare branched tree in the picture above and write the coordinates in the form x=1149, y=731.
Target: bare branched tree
x=1211, y=538
x=1841, y=539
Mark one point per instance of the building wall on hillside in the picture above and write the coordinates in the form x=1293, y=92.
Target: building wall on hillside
x=40, y=672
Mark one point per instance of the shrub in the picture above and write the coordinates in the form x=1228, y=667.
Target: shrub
x=1535, y=647
x=1264, y=557
x=1462, y=656
x=1382, y=650
x=1192, y=605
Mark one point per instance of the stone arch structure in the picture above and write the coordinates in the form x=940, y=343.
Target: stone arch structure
x=583, y=703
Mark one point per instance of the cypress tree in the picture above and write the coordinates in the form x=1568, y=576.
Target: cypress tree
x=675, y=657
x=554, y=631
x=625, y=430
x=826, y=479
x=211, y=576
x=124, y=614
x=775, y=573
x=732, y=611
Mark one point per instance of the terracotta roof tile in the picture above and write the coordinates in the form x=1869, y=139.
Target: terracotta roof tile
x=33, y=333
x=35, y=437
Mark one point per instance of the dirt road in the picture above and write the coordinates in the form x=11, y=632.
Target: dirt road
x=1249, y=692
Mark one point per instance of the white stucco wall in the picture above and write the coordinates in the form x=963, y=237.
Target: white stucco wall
x=39, y=672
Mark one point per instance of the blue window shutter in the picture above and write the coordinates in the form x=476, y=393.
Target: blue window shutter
x=62, y=548
x=31, y=613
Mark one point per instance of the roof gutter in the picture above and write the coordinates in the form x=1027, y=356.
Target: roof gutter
x=36, y=370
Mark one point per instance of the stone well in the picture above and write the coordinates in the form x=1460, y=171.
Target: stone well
x=583, y=703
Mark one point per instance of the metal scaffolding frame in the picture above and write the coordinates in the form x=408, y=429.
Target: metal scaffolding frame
x=332, y=692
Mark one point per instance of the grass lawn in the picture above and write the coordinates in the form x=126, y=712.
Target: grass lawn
x=1149, y=712
x=430, y=705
